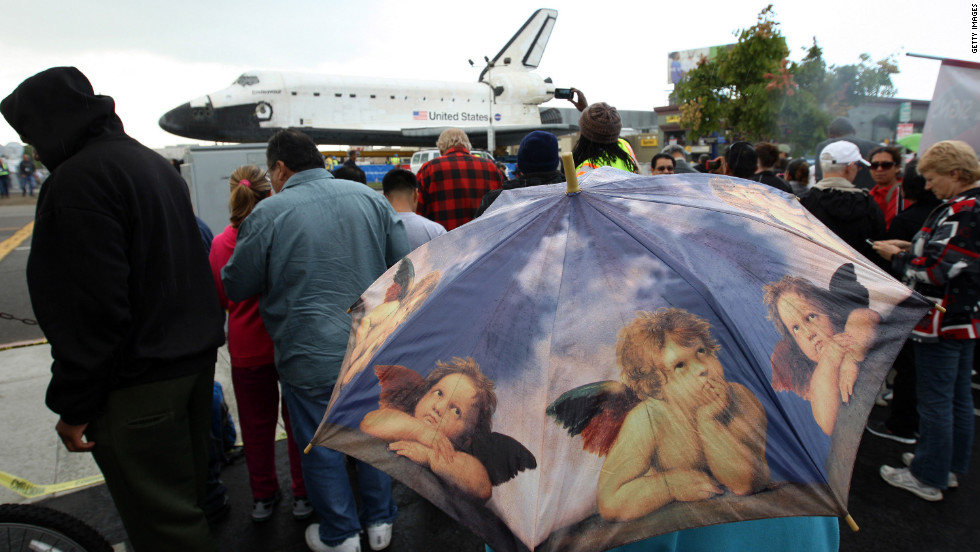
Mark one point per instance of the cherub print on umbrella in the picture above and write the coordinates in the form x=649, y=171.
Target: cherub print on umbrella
x=551, y=296
x=371, y=330
x=443, y=422
x=825, y=334
x=681, y=442
x=672, y=429
x=830, y=355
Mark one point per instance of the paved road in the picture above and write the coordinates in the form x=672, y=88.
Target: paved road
x=15, y=214
x=420, y=526
x=890, y=519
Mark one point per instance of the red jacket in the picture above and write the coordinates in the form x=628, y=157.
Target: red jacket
x=890, y=200
x=249, y=343
x=452, y=186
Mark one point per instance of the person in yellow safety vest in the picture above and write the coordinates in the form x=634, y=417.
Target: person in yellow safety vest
x=330, y=163
x=599, y=144
x=395, y=160
x=4, y=179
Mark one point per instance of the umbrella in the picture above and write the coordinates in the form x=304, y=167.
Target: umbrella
x=911, y=141
x=575, y=371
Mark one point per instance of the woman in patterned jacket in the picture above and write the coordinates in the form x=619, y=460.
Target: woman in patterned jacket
x=942, y=262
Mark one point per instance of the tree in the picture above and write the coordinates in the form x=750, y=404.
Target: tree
x=851, y=85
x=753, y=92
x=802, y=116
x=823, y=94
x=732, y=92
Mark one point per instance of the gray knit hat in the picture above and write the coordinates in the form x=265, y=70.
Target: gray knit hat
x=601, y=123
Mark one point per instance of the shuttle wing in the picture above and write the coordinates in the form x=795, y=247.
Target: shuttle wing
x=527, y=45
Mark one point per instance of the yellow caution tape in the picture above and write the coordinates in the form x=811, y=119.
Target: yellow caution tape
x=27, y=489
x=9, y=346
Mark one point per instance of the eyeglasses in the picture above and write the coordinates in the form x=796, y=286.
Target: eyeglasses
x=883, y=165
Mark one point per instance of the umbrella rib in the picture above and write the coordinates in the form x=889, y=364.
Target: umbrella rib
x=554, y=321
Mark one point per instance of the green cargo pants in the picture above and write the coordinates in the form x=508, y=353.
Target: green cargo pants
x=151, y=444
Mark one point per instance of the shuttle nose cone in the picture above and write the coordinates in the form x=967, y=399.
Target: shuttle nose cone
x=201, y=120
x=190, y=119
x=177, y=120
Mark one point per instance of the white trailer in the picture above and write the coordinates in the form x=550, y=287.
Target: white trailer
x=207, y=169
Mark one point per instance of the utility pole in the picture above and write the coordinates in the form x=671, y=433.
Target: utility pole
x=491, y=137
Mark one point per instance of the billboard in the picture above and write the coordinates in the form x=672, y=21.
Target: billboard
x=954, y=113
x=681, y=61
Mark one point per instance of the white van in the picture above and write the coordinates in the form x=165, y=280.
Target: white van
x=420, y=158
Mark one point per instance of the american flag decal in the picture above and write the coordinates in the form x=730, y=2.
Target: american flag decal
x=420, y=115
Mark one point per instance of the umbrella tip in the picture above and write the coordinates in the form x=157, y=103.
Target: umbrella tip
x=571, y=178
x=309, y=447
x=851, y=523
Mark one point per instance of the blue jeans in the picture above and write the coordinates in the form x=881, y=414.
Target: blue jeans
x=945, y=410
x=27, y=183
x=325, y=474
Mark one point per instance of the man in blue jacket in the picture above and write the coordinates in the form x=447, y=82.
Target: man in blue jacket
x=309, y=252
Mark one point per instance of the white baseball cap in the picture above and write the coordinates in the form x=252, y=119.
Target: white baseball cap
x=842, y=152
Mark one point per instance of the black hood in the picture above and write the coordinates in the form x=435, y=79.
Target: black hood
x=57, y=112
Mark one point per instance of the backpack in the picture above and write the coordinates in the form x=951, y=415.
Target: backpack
x=223, y=426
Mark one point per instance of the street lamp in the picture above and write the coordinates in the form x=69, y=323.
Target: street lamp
x=491, y=137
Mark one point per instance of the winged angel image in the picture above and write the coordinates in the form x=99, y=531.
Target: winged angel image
x=443, y=422
x=672, y=430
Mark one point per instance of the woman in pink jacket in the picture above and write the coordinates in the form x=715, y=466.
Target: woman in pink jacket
x=253, y=369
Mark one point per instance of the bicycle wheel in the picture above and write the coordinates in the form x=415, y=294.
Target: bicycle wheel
x=30, y=528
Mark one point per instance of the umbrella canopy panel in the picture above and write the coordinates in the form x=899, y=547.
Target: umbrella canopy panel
x=644, y=341
x=911, y=141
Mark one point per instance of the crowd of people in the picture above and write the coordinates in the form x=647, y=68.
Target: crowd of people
x=26, y=174
x=135, y=387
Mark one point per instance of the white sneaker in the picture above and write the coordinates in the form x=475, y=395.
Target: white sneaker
x=953, y=481
x=352, y=544
x=379, y=536
x=302, y=509
x=903, y=479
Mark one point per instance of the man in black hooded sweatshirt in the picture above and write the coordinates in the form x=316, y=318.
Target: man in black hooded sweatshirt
x=121, y=287
x=849, y=211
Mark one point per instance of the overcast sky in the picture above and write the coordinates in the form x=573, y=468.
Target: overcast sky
x=152, y=57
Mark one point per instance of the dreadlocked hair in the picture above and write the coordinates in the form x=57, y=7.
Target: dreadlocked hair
x=603, y=154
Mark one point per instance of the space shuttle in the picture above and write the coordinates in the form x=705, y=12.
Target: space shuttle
x=379, y=111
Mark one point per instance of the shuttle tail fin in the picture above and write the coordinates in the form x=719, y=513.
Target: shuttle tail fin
x=527, y=46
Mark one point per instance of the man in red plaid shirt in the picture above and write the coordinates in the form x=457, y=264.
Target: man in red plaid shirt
x=452, y=186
